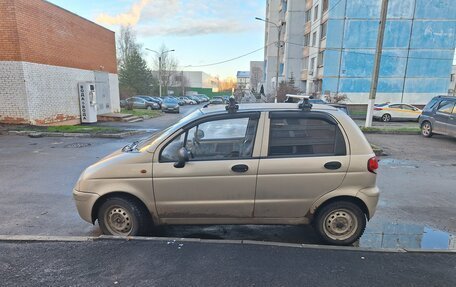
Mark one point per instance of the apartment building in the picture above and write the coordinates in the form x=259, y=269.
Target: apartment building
x=338, y=44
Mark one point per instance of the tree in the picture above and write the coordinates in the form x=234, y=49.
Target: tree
x=287, y=88
x=167, y=69
x=135, y=78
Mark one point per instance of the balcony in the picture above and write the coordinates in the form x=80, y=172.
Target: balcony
x=304, y=75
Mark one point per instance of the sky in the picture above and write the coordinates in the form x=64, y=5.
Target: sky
x=200, y=31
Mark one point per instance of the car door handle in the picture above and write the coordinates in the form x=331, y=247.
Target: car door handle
x=240, y=168
x=333, y=165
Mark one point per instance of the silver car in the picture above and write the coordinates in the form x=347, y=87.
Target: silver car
x=439, y=117
x=253, y=164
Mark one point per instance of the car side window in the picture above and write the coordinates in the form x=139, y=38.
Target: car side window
x=407, y=107
x=295, y=136
x=395, y=106
x=447, y=108
x=215, y=140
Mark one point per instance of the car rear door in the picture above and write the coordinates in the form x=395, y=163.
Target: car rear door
x=408, y=112
x=452, y=123
x=395, y=111
x=442, y=117
x=304, y=156
x=219, y=180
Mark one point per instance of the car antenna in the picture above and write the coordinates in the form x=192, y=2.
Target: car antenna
x=304, y=104
x=232, y=106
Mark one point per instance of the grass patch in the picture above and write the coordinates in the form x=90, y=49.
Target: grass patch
x=391, y=129
x=358, y=113
x=143, y=112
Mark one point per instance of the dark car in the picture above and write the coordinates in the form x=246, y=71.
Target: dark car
x=151, y=99
x=217, y=101
x=170, y=105
x=196, y=99
x=141, y=103
x=439, y=117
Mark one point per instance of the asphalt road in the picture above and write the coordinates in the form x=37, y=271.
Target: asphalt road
x=161, y=263
x=416, y=209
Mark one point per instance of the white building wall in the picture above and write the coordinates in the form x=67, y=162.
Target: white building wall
x=274, y=15
x=294, y=39
x=45, y=94
x=13, y=97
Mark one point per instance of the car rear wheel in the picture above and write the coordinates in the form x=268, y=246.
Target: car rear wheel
x=340, y=223
x=426, y=129
x=123, y=216
x=386, y=118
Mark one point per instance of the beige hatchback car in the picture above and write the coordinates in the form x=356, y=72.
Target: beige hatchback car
x=248, y=164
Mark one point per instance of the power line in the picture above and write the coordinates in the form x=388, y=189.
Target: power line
x=229, y=60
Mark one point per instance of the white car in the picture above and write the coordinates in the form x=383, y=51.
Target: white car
x=388, y=112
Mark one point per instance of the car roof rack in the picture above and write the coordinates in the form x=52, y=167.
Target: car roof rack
x=232, y=105
x=304, y=104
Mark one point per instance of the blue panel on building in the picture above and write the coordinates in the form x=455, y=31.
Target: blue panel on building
x=435, y=9
x=433, y=35
x=357, y=63
x=334, y=33
x=430, y=63
x=397, y=33
x=331, y=60
x=426, y=85
x=363, y=9
x=360, y=34
x=393, y=63
x=402, y=9
x=337, y=8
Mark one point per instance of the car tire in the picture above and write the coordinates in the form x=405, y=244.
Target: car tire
x=426, y=129
x=340, y=223
x=123, y=216
x=386, y=118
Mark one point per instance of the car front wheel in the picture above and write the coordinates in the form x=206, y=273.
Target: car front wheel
x=340, y=223
x=386, y=118
x=123, y=216
x=426, y=129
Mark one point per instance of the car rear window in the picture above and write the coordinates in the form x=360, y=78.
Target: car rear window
x=304, y=134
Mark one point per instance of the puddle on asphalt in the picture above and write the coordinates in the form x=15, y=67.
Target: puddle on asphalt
x=398, y=235
x=396, y=163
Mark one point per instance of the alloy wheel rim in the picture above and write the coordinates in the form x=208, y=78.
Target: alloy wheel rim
x=426, y=129
x=340, y=224
x=118, y=221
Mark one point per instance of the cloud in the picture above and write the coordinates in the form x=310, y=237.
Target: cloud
x=192, y=27
x=131, y=17
x=183, y=17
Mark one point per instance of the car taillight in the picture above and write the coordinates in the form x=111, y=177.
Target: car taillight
x=378, y=109
x=372, y=164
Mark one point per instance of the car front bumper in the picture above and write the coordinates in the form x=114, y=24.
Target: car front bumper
x=84, y=203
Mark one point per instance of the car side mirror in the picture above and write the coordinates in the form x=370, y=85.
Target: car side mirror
x=199, y=134
x=183, y=157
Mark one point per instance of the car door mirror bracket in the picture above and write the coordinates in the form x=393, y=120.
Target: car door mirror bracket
x=183, y=157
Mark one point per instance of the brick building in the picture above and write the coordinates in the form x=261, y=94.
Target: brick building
x=45, y=51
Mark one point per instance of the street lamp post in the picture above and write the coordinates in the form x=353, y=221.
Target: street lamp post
x=279, y=34
x=160, y=55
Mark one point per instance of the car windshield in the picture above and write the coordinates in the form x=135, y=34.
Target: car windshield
x=143, y=144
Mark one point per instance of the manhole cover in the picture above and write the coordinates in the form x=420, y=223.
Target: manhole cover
x=77, y=145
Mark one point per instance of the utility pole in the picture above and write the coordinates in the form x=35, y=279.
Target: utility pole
x=160, y=55
x=377, y=61
x=279, y=34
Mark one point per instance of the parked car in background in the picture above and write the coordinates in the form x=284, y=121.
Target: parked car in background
x=196, y=99
x=203, y=98
x=342, y=107
x=247, y=164
x=217, y=101
x=188, y=101
x=151, y=99
x=388, y=112
x=141, y=103
x=439, y=117
x=170, y=104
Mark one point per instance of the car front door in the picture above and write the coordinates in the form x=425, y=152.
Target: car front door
x=452, y=123
x=138, y=103
x=442, y=117
x=410, y=113
x=304, y=156
x=219, y=180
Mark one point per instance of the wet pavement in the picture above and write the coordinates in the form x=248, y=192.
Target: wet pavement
x=416, y=208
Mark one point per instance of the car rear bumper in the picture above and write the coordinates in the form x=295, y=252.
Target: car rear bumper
x=170, y=109
x=84, y=203
x=370, y=197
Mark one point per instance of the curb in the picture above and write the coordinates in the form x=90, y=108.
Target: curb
x=34, y=134
x=172, y=240
x=392, y=132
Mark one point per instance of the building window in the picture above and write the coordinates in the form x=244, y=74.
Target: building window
x=305, y=63
x=320, y=58
x=325, y=5
x=307, y=39
x=307, y=15
x=314, y=39
x=316, y=13
x=324, y=28
x=453, y=77
x=312, y=65
x=304, y=85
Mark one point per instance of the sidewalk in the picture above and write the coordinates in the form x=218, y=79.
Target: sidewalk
x=171, y=262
